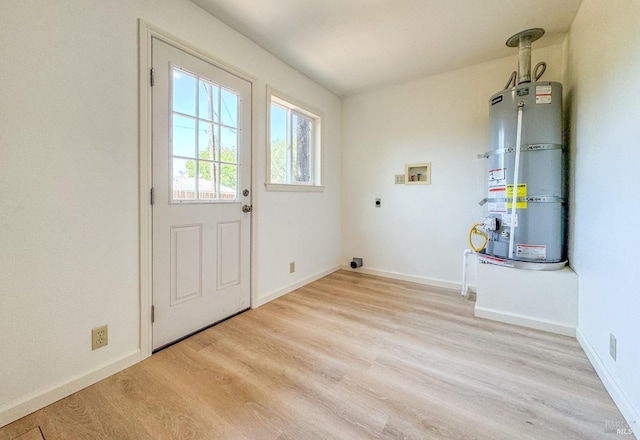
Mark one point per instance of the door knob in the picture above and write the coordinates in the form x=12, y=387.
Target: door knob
x=246, y=208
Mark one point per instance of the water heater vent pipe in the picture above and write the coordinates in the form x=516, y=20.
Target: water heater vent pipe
x=522, y=40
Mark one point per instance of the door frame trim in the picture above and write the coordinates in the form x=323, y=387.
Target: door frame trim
x=146, y=32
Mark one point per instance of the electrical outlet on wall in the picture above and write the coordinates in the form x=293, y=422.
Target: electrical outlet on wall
x=292, y=267
x=99, y=337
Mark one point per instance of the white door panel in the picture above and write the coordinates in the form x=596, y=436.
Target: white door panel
x=229, y=246
x=201, y=165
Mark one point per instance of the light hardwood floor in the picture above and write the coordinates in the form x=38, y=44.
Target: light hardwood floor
x=349, y=356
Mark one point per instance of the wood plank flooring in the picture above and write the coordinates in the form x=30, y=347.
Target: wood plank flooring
x=349, y=356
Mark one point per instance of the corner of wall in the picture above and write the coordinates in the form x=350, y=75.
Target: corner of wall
x=629, y=412
x=601, y=100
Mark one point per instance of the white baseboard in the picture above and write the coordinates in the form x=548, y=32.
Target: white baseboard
x=406, y=277
x=291, y=287
x=630, y=414
x=39, y=399
x=525, y=321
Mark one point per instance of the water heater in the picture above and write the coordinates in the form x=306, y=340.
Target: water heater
x=526, y=206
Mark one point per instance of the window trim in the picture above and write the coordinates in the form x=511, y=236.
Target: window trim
x=317, y=156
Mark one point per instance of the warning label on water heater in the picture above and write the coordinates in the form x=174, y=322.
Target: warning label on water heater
x=497, y=207
x=497, y=177
x=506, y=220
x=521, y=194
x=543, y=94
x=488, y=259
x=495, y=194
x=531, y=251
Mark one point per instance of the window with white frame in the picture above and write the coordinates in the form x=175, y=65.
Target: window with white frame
x=294, y=151
x=204, y=140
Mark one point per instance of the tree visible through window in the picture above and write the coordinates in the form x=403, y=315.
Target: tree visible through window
x=302, y=149
x=204, y=142
x=292, y=144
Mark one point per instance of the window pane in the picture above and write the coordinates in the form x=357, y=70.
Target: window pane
x=184, y=93
x=228, y=145
x=207, y=141
x=301, y=149
x=184, y=136
x=228, y=182
x=293, y=149
x=207, y=181
x=229, y=108
x=208, y=101
x=278, y=124
x=184, y=182
x=278, y=144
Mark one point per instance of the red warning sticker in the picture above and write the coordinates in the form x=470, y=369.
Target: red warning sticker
x=543, y=94
x=488, y=259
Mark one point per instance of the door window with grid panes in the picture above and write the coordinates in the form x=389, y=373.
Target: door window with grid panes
x=204, y=152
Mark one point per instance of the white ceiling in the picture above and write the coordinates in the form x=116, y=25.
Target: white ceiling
x=353, y=45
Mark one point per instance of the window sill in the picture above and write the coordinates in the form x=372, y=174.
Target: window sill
x=298, y=188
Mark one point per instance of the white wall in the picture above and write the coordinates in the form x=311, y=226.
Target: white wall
x=69, y=186
x=603, y=89
x=421, y=231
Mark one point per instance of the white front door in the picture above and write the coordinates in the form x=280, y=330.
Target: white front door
x=201, y=183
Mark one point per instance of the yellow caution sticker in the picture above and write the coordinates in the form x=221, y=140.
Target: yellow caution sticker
x=522, y=193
